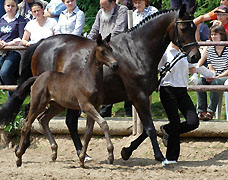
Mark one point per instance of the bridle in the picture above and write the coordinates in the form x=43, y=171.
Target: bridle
x=176, y=33
x=168, y=66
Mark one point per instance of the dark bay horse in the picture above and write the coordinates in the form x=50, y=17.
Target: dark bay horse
x=138, y=53
x=80, y=89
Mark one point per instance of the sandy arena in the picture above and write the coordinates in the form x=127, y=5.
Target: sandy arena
x=201, y=159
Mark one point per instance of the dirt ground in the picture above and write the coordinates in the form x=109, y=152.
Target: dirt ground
x=201, y=159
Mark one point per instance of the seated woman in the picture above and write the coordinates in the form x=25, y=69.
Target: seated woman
x=71, y=20
x=217, y=59
x=39, y=28
x=11, y=31
x=142, y=10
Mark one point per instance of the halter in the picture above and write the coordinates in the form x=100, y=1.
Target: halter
x=178, y=43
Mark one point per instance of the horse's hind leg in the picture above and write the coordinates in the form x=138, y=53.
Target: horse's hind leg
x=20, y=150
x=44, y=119
x=38, y=103
x=94, y=115
x=126, y=152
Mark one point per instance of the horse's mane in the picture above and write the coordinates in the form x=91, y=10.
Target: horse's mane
x=151, y=17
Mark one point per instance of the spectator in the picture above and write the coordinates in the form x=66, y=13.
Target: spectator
x=111, y=18
x=176, y=4
x=11, y=31
x=54, y=8
x=174, y=97
x=218, y=63
x=142, y=10
x=222, y=16
x=39, y=28
x=24, y=8
x=209, y=16
x=71, y=20
x=202, y=32
x=127, y=3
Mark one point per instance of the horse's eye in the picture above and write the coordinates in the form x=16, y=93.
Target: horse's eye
x=102, y=52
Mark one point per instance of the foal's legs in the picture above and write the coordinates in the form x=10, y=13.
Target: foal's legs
x=44, y=119
x=34, y=111
x=93, y=115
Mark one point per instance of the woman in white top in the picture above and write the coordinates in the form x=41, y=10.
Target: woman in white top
x=71, y=20
x=39, y=28
x=142, y=10
x=174, y=97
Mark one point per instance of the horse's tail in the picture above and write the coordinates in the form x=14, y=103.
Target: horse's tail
x=10, y=109
x=25, y=70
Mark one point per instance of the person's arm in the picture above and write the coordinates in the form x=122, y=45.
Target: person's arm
x=203, y=57
x=57, y=10
x=210, y=67
x=201, y=18
x=25, y=38
x=80, y=22
x=95, y=28
x=225, y=73
x=121, y=21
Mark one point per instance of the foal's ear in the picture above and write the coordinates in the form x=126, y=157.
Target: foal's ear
x=107, y=39
x=99, y=40
x=193, y=9
x=182, y=10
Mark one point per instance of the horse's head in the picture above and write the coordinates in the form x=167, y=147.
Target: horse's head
x=104, y=52
x=184, y=34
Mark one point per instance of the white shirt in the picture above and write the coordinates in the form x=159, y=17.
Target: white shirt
x=37, y=32
x=71, y=23
x=178, y=77
x=137, y=16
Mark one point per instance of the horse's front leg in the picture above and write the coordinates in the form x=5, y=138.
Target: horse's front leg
x=95, y=116
x=142, y=105
x=87, y=136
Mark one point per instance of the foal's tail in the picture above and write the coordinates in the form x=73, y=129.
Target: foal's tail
x=10, y=109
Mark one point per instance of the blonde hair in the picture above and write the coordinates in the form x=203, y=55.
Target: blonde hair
x=147, y=2
x=9, y=1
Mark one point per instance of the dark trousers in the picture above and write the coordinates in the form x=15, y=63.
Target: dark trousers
x=176, y=4
x=106, y=109
x=172, y=99
x=10, y=68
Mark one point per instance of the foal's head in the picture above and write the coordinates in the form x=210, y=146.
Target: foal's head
x=104, y=52
x=184, y=34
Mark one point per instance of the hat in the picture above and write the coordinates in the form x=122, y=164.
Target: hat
x=221, y=9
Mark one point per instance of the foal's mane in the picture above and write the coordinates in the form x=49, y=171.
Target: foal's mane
x=150, y=18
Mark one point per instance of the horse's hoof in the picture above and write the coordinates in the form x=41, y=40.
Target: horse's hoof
x=125, y=153
x=159, y=158
x=54, y=157
x=19, y=162
x=111, y=159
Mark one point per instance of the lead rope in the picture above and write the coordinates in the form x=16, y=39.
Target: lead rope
x=167, y=67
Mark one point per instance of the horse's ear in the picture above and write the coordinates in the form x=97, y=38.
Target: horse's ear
x=193, y=9
x=107, y=39
x=182, y=10
x=99, y=40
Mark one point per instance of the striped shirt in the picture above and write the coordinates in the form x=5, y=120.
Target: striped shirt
x=219, y=63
